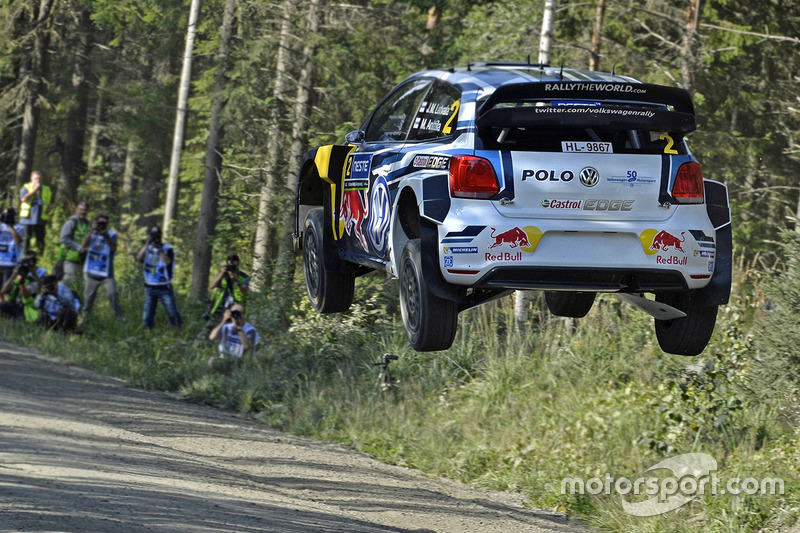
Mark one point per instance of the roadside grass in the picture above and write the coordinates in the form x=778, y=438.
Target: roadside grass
x=508, y=407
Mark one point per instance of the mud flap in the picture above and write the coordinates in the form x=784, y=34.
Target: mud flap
x=718, y=290
x=430, y=268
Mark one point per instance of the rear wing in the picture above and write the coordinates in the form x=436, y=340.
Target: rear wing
x=567, y=104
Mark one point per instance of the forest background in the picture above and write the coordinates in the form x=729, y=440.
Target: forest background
x=88, y=92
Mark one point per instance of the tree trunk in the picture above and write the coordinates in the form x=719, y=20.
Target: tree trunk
x=96, y=129
x=72, y=165
x=689, y=59
x=263, y=242
x=152, y=170
x=207, y=221
x=124, y=204
x=171, y=204
x=302, y=119
x=597, y=35
x=34, y=89
x=546, y=40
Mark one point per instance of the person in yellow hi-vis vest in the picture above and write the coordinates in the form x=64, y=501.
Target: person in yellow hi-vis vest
x=34, y=210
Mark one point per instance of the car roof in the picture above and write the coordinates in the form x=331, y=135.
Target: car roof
x=488, y=76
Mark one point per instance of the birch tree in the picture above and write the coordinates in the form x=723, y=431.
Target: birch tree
x=180, y=118
x=546, y=39
x=597, y=35
x=690, y=50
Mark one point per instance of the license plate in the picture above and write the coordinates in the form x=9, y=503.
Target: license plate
x=581, y=147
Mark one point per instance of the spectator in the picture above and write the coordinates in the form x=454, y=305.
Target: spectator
x=34, y=210
x=101, y=246
x=235, y=336
x=73, y=232
x=159, y=269
x=11, y=237
x=58, y=305
x=19, y=292
x=231, y=285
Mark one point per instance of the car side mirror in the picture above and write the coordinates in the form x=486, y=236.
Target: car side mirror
x=355, y=137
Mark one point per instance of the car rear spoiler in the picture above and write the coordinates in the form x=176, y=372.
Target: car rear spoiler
x=590, y=104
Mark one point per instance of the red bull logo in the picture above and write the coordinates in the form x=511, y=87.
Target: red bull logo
x=514, y=237
x=663, y=241
x=352, y=214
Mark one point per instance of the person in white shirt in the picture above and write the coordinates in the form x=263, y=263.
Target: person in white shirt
x=101, y=246
x=12, y=236
x=235, y=336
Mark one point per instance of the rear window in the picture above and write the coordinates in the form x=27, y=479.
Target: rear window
x=572, y=126
x=610, y=117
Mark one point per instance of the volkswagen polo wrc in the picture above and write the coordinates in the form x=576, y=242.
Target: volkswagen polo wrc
x=468, y=183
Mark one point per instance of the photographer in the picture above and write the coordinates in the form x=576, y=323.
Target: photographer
x=235, y=336
x=19, y=292
x=159, y=268
x=101, y=246
x=231, y=285
x=57, y=304
x=72, y=251
x=11, y=237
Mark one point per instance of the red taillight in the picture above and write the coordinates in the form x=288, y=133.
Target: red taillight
x=688, y=188
x=472, y=177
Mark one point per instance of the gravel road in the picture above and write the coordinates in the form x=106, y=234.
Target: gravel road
x=81, y=452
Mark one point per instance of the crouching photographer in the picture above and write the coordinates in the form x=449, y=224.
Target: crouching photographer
x=18, y=293
x=235, y=336
x=57, y=304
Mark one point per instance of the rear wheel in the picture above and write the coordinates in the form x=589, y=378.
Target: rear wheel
x=569, y=304
x=329, y=292
x=430, y=321
x=688, y=335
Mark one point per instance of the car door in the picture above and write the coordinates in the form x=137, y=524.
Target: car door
x=364, y=210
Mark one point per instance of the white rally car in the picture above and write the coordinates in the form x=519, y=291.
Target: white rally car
x=468, y=183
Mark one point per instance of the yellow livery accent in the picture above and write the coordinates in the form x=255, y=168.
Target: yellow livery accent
x=647, y=237
x=534, y=236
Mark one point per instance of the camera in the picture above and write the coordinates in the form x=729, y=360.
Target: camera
x=23, y=269
x=230, y=267
x=8, y=216
x=236, y=314
x=102, y=225
x=154, y=236
x=50, y=284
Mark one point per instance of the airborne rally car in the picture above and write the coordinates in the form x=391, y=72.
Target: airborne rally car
x=467, y=183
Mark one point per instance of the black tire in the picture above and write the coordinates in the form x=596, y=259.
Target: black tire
x=688, y=335
x=430, y=321
x=569, y=304
x=329, y=292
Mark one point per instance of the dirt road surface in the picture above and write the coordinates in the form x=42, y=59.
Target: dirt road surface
x=81, y=452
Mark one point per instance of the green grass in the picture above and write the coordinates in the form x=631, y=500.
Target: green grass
x=508, y=407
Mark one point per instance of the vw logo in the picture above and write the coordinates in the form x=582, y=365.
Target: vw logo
x=589, y=176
